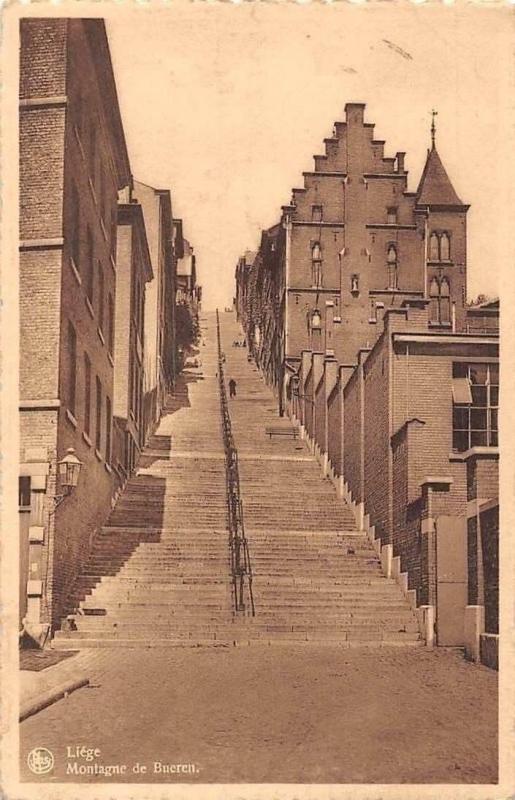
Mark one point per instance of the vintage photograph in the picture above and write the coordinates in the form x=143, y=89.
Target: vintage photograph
x=257, y=272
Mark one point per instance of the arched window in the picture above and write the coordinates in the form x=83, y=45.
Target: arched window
x=434, y=294
x=316, y=257
x=434, y=249
x=445, y=302
x=440, y=302
x=391, y=261
x=445, y=247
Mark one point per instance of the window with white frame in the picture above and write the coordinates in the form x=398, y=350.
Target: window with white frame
x=475, y=390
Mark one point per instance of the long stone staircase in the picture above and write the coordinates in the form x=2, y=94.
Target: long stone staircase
x=315, y=577
x=158, y=574
x=159, y=571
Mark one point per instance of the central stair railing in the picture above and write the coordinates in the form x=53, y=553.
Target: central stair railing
x=241, y=568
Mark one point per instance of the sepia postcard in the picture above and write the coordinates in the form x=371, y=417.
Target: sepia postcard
x=256, y=531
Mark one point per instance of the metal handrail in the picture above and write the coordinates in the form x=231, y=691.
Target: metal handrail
x=241, y=568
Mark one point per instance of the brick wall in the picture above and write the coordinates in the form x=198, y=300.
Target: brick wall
x=490, y=547
x=68, y=192
x=320, y=412
x=377, y=467
x=482, y=477
x=43, y=57
x=334, y=428
x=353, y=433
x=309, y=403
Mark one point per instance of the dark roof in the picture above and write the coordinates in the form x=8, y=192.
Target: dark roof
x=435, y=187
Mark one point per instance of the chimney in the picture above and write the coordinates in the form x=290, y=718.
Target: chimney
x=400, y=162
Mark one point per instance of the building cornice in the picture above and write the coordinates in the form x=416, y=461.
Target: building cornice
x=393, y=227
x=312, y=224
x=326, y=174
x=312, y=290
x=383, y=175
x=44, y=404
x=437, y=207
x=51, y=243
x=54, y=101
x=446, y=338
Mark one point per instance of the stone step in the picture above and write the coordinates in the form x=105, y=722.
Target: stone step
x=204, y=631
x=71, y=643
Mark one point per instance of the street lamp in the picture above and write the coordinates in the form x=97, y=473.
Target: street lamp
x=68, y=470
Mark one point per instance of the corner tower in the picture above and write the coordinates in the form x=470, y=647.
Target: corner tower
x=445, y=217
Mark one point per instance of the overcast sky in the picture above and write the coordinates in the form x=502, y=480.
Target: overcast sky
x=226, y=105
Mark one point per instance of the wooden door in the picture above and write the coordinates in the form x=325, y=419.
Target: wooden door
x=451, y=579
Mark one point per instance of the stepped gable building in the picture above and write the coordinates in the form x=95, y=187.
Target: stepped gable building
x=134, y=271
x=73, y=162
x=160, y=347
x=357, y=242
x=392, y=379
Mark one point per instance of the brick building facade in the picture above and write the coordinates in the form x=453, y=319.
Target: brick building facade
x=391, y=377
x=73, y=162
x=160, y=347
x=134, y=271
x=410, y=437
x=357, y=242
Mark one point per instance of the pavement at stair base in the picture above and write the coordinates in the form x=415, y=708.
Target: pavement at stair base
x=159, y=571
x=291, y=714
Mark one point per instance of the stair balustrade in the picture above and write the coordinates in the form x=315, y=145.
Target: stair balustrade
x=241, y=568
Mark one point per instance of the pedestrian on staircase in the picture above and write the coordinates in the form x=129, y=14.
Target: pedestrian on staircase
x=232, y=388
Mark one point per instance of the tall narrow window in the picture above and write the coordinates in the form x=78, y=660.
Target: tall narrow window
x=90, y=265
x=391, y=259
x=440, y=302
x=109, y=420
x=75, y=227
x=434, y=248
x=100, y=296
x=434, y=294
x=93, y=151
x=110, y=331
x=72, y=367
x=102, y=192
x=98, y=410
x=316, y=213
x=391, y=215
x=445, y=302
x=316, y=259
x=24, y=496
x=114, y=223
x=87, y=394
x=445, y=247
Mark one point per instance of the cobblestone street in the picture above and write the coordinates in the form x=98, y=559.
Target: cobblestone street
x=278, y=714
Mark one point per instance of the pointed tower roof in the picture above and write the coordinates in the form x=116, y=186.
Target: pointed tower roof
x=435, y=187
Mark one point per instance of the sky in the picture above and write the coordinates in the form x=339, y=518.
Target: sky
x=226, y=104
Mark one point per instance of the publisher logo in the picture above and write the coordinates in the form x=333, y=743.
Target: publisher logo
x=40, y=761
